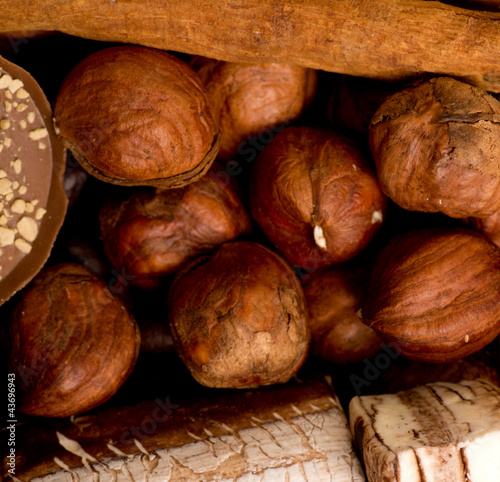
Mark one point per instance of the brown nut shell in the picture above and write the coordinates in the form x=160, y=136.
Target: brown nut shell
x=152, y=233
x=72, y=343
x=315, y=197
x=32, y=163
x=249, y=98
x=436, y=148
x=436, y=293
x=337, y=333
x=137, y=116
x=238, y=318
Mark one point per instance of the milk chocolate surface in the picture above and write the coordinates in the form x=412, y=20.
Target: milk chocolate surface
x=32, y=162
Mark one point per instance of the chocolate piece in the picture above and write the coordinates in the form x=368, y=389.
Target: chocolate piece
x=32, y=162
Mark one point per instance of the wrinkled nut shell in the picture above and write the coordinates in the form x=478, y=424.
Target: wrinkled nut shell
x=436, y=148
x=337, y=333
x=152, y=233
x=436, y=293
x=137, y=116
x=238, y=318
x=72, y=344
x=315, y=197
x=248, y=98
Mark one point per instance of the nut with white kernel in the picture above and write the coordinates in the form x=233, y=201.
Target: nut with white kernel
x=315, y=197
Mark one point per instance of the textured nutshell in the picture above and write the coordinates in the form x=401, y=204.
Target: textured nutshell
x=315, y=197
x=137, y=116
x=436, y=148
x=249, y=98
x=436, y=294
x=152, y=233
x=72, y=343
x=337, y=333
x=238, y=317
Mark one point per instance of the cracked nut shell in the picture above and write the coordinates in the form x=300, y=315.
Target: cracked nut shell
x=137, y=116
x=238, y=317
x=315, y=197
x=436, y=148
x=436, y=293
x=71, y=343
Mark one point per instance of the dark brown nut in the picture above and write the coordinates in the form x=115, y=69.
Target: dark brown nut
x=153, y=233
x=337, y=333
x=249, y=98
x=32, y=161
x=238, y=317
x=137, y=116
x=436, y=148
x=72, y=343
x=436, y=294
x=315, y=197
x=489, y=226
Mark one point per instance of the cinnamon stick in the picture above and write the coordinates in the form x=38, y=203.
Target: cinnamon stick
x=384, y=39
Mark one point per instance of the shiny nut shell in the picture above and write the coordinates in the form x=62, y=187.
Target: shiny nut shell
x=249, y=98
x=137, y=116
x=315, y=197
x=436, y=293
x=72, y=343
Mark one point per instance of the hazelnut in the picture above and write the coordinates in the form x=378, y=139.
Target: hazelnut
x=238, y=318
x=337, y=333
x=152, y=233
x=249, y=98
x=137, y=116
x=315, y=197
x=72, y=344
x=436, y=293
x=436, y=149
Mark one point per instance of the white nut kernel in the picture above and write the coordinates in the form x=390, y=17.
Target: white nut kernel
x=22, y=245
x=40, y=213
x=6, y=236
x=319, y=236
x=4, y=124
x=17, y=166
x=22, y=94
x=37, y=134
x=21, y=107
x=28, y=228
x=15, y=85
x=31, y=117
x=18, y=206
x=377, y=217
x=5, y=80
x=5, y=186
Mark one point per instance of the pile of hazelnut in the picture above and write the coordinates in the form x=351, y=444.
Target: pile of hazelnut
x=265, y=233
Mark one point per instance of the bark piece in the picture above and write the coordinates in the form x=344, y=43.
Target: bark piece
x=439, y=431
x=385, y=39
x=293, y=432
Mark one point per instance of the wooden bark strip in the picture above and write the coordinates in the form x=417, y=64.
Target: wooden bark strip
x=386, y=39
x=296, y=432
x=439, y=431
